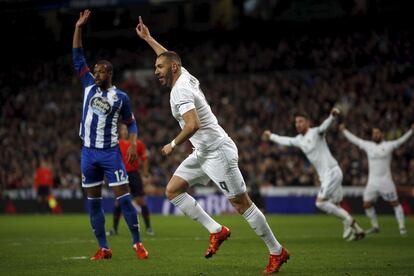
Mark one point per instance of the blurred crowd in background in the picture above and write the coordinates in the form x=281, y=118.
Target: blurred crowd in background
x=251, y=86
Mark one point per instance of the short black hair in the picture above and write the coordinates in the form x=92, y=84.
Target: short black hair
x=302, y=114
x=171, y=56
x=107, y=64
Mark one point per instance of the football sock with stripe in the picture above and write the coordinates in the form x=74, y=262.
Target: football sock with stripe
x=190, y=207
x=258, y=223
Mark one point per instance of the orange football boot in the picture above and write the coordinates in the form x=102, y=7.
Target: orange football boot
x=140, y=250
x=276, y=261
x=216, y=240
x=102, y=253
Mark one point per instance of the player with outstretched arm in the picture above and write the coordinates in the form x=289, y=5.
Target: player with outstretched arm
x=312, y=142
x=380, y=183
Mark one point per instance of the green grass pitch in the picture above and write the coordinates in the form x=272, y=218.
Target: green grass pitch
x=61, y=245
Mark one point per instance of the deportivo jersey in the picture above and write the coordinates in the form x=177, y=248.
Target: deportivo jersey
x=101, y=108
x=186, y=95
x=379, y=155
x=314, y=146
x=141, y=152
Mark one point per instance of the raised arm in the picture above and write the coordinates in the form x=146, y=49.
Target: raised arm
x=352, y=138
x=77, y=35
x=281, y=140
x=328, y=122
x=397, y=143
x=77, y=52
x=144, y=33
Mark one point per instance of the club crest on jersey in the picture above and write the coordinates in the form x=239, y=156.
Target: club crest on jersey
x=100, y=106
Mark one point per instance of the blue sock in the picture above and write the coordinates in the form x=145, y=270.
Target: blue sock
x=130, y=215
x=97, y=218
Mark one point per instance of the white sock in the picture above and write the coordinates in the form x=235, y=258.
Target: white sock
x=190, y=207
x=336, y=210
x=399, y=215
x=258, y=222
x=372, y=215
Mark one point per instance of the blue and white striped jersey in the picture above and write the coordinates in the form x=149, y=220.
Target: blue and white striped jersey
x=101, y=109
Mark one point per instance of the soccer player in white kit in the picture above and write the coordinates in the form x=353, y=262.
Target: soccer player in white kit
x=313, y=144
x=215, y=156
x=380, y=183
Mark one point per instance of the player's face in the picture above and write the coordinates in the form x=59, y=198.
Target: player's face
x=301, y=124
x=377, y=135
x=163, y=71
x=102, y=76
x=123, y=132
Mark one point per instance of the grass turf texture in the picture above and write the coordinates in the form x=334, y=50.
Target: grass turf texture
x=62, y=245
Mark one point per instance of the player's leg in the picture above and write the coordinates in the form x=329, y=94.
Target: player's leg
x=92, y=179
x=118, y=180
x=389, y=194
x=222, y=167
x=328, y=199
x=177, y=195
x=116, y=216
x=399, y=215
x=137, y=192
x=369, y=198
x=140, y=201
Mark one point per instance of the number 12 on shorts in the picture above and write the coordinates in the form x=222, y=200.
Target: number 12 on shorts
x=119, y=175
x=223, y=185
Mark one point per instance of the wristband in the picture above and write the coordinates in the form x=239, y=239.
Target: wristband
x=173, y=144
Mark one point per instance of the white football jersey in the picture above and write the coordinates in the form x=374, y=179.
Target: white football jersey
x=186, y=95
x=379, y=156
x=314, y=146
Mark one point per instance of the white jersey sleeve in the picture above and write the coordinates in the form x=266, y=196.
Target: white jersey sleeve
x=362, y=144
x=326, y=124
x=283, y=140
x=184, y=100
x=397, y=143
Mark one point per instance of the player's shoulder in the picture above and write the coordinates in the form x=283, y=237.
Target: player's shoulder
x=121, y=94
x=315, y=131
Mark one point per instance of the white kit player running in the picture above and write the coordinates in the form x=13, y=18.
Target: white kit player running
x=313, y=144
x=380, y=183
x=215, y=156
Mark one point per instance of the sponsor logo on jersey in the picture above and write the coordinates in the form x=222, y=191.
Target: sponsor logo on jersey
x=100, y=106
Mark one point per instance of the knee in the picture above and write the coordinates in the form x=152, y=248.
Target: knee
x=241, y=204
x=367, y=205
x=394, y=203
x=172, y=193
x=140, y=200
x=319, y=204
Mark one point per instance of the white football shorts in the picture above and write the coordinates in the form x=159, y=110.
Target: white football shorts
x=331, y=187
x=383, y=188
x=220, y=166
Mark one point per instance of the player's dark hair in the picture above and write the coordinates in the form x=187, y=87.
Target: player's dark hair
x=107, y=64
x=171, y=56
x=302, y=114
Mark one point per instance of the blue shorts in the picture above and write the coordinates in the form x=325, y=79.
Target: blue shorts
x=97, y=163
